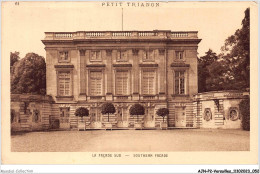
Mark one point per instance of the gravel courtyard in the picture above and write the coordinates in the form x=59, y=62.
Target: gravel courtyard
x=132, y=140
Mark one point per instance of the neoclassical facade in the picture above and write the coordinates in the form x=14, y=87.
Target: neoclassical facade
x=154, y=68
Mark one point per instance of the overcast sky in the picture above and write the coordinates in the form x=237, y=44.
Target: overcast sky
x=23, y=25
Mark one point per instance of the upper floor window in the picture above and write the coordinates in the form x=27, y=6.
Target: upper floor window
x=64, y=83
x=122, y=56
x=179, y=82
x=148, y=82
x=122, y=82
x=95, y=55
x=179, y=55
x=149, y=56
x=96, y=82
x=64, y=56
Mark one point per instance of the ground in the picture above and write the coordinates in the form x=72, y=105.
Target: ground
x=132, y=140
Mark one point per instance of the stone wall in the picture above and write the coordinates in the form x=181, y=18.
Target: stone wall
x=30, y=112
x=218, y=109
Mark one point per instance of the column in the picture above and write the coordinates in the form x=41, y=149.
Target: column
x=109, y=75
x=82, y=75
x=135, y=73
x=162, y=74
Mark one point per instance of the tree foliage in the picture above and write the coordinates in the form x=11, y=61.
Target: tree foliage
x=29, y=75
x=236, y=53
x=244, y=108
x=162, y=112
x=229, y=70
x=137, y=109
x=81, y=112
x=108, y=108
x=14, y=57
x=203, y=69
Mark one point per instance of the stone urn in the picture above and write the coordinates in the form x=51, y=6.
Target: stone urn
x=122, y=124
x=96, y=125
x=149, y=124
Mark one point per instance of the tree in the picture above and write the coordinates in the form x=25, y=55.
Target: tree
x=244, y=108
x=203, y=69
x=29, y=75
x=108, y=108
x=81, y=112
x=236, y=53
x=14, y=57
x=162, y=112
x=137, y=110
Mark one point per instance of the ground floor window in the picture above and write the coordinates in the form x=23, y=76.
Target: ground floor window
x=36, y=116
x=64, y=115
x=122, y=114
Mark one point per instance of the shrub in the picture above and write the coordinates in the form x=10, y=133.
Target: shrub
x=108, y=108
x=162, y=112
x=137, y=110
x=81, y=112
x=244, y=108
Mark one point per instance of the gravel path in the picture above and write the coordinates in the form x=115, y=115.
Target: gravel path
x=132, y=140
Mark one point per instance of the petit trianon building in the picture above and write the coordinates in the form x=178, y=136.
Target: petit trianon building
x=157, y=69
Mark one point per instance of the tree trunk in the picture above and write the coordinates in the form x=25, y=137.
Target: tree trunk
x=163, y=119
x=108, y=117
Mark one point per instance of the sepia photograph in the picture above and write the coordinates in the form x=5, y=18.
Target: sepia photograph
x=129, y=82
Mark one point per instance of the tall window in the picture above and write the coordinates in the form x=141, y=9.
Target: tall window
x=64, y=83
x=148, y=82
x=95, y=82
x=179, y=55
x=64, y=115
x=179, y=82
x=122, y=82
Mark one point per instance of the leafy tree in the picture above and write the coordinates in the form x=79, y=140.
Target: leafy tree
x=14, y=57
x=137, y=110
x=162, y=112
x=29, y=75
x=236, y=53
x=230, y=69
x=203, y=69
x=108, y=108
x=81, y=112
x=244, y=107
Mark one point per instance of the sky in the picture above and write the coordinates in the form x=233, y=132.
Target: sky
x=23, y=25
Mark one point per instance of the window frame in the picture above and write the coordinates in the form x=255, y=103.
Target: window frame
x=70, y=83
x=146, y=53
x=119, y=54
x=96, y=59
x=128, y=82
x=90, y=81
x=177, y=56
x=63, y=60
x=155, y=81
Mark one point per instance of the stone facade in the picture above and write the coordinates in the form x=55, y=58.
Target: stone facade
x=157, y=69
x=30, y=112
x=219, y=109
x=154, y=68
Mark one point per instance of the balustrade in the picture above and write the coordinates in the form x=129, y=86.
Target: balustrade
x=118, y=34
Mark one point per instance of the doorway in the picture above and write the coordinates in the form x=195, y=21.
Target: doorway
x=180, y=117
